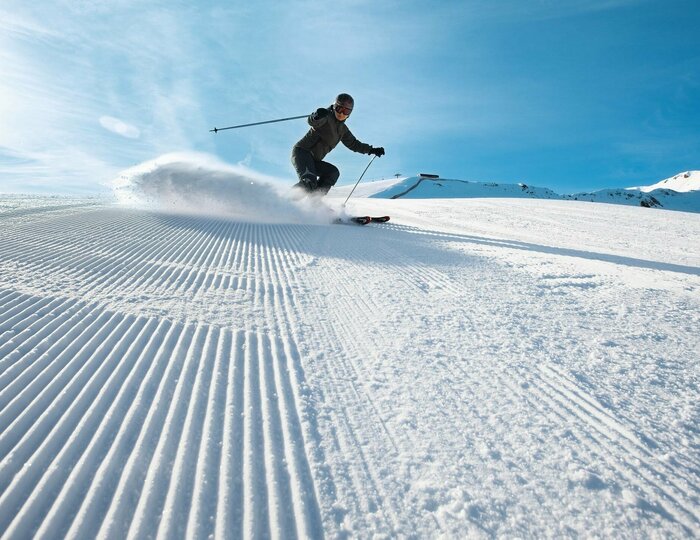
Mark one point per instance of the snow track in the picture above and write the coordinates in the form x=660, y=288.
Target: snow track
x=180, y=376
x=116, y=418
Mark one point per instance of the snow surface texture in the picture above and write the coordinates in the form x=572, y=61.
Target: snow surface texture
x=473, y=368
x=682, y=192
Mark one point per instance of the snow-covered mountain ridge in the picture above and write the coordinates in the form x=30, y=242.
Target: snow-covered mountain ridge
x=680, y=192
x=682, y=183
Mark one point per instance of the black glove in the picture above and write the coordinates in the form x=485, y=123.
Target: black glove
x=320, y=113
x=379, y=152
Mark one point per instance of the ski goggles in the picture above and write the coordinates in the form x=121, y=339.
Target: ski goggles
x=340, y=109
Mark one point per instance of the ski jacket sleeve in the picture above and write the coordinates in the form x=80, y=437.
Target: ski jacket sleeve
x=353, y=144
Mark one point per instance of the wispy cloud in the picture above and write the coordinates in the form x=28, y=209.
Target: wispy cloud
x=110, y=67
x=119, y=127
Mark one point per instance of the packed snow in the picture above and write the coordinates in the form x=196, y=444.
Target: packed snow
x=209, y=358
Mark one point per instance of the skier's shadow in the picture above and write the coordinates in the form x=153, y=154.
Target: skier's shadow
x=386, y=243
x=551, y=250
x=373, y=243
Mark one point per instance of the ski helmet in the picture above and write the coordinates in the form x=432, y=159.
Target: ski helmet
x=345, y=100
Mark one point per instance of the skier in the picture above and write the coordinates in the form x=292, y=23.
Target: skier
x=328, y=128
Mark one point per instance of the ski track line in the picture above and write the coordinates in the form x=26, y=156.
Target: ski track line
x=202, y=272
x=27, y=396
x=229, y=505
x=276, y=483
x=105, y=483
x=200, y=260
x=91, y=471
x=13, y=303
x=120, y=248
x=109, y=506
x=139, y=262
x=271, y=254
x=45, y=258
x=350, y=324
x=341, y=371
x=413, y=271
x=150, y=509
x=196, y=429
x=18, y=315
x=287, y=309
x=262, y=478
x=566, y=400
x=279, y=253
x=260, y=513
x=351, y=341
x=143, y=270
x=592, y=408
x=550, y=400
x=210, y=269
x=614, y=439
x=178, y=501
x=128, y=256
x=205, y=268
x=562, y=414
x=46, y=366
x=200, y=520
x=413, y=277
x=174, y=275
x=35, y=335
x=8, y=299
x=43, y=212
x=84, y=414
x=351, y=331
x=66, y=244
x=372, y=498
x=38, y=433
x=34, y=413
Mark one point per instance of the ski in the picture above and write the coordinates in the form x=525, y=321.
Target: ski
x=362, y=220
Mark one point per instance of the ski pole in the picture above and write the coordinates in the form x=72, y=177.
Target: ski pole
x=216, y=130
x=358, y=181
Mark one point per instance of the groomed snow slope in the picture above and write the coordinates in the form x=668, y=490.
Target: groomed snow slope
x=472, y=368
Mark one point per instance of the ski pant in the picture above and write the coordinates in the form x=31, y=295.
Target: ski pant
x=314, y=176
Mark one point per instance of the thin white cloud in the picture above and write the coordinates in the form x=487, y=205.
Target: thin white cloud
x=120, y=127
x=23, y=26
x=481, y=10
x=139, y=60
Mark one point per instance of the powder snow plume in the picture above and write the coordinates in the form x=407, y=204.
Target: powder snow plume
x=200, y=184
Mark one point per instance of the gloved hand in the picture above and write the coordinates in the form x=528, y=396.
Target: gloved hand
x=379, y=152
x=320, y=113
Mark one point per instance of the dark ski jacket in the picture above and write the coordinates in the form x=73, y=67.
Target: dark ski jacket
x=325, y=134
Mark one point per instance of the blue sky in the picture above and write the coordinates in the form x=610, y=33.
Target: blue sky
x=571, y=95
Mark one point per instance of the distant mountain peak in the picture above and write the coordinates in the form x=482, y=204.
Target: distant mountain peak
x=682, y=183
